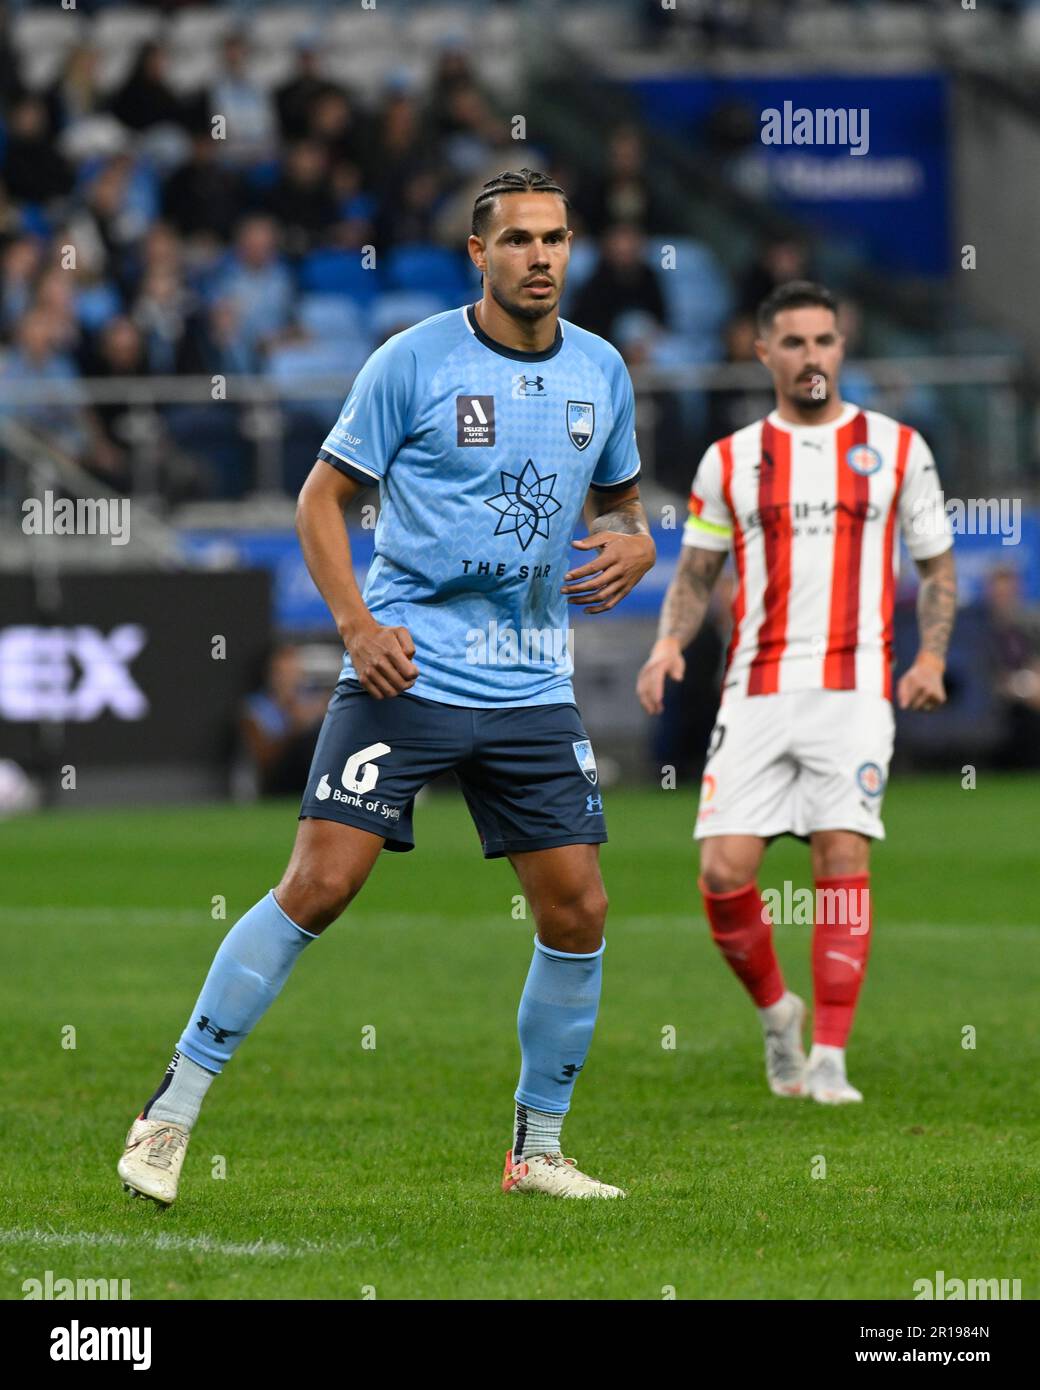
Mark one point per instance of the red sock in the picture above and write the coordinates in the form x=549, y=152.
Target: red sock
x=741, y=929
x=841, y=945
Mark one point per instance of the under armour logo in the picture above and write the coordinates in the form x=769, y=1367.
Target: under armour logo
x=570, y=1071
x=219, y=1034
x=528, y=386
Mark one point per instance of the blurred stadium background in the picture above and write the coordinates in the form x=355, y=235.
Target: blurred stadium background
x=181, y=316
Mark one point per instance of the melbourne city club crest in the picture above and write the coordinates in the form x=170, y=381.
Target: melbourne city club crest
x=525, y=505
x=586, y=760
x=581, y=423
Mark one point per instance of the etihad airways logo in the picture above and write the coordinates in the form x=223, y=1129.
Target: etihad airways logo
x=774, y=512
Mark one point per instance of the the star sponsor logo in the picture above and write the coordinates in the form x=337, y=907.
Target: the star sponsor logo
x=525, y=504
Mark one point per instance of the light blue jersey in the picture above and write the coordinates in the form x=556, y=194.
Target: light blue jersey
x=483, y=456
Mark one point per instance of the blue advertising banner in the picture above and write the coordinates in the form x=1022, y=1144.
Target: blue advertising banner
x=863, y=156
x=298, y=607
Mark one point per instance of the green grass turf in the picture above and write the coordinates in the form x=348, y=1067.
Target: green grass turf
x=350, y=1168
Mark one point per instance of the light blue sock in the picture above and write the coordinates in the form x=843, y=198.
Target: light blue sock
x=248, y=971
x=557, y=1015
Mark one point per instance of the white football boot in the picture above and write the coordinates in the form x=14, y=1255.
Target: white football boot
x=555, y=1175
x=825, y=1077
x=152, y=1159
x=782, y=1025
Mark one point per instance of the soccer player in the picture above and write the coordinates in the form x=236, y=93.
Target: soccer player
x=811, y=502
x=487, y=429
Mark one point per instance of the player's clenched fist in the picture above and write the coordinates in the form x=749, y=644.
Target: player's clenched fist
x=666, y=661
x=922, y=686
x=382, y=659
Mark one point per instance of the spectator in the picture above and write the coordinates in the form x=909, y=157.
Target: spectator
x=37, y=358
x=203, y=199
x=146, y=99
x=119, y=352
x=19, y=267
x=732, y=409
x=336, y=125
x=295, y=99
x=1015, y=644
x=258, y=289
x=777, y=262
x=107, y=227
x=251, y=132
x=623, y=193
x=34, y=170
x=279, y=725
x=302, y=200
x=77, y=92
x=621, y=281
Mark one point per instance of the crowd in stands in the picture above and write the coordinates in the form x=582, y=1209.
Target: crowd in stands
x=226, y=231
x=148, y=229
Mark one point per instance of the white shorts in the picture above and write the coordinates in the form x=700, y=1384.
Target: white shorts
x=797, y=762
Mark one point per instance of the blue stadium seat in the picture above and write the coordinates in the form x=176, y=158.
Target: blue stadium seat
x=96, y=305
x=400, y=309
x=418, y=266
x=331, y=316
x=338, y=272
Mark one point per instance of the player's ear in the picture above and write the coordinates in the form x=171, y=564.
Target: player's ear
x=761, y=350
x=477, y=253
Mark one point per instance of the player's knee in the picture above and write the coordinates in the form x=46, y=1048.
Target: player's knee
x=315, y=895
x=575, y=924
x=723, y=872
x=841, y=863
x=724, y=879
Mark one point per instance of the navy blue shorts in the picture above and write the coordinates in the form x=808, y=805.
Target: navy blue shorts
x=528, y=773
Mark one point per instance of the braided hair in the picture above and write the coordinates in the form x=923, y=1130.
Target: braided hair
x=511, y=181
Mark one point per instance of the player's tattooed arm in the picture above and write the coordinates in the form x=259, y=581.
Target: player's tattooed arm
x=620, y=534
x=682, y=614
x=381, y=656
x=922, y=687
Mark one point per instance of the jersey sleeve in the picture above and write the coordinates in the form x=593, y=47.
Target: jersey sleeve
x=618, y=465
x=376, y=415
x=709, y=525
x=922, y=508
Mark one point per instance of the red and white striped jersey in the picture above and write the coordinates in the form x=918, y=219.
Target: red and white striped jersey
x=811, y=512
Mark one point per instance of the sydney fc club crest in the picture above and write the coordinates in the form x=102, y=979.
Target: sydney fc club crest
x=581, y=423
x=586, y=760
x=863, y=459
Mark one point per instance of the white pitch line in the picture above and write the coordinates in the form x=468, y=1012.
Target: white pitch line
x=204, y=1245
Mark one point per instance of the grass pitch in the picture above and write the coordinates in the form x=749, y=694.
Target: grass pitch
x=353, y=1171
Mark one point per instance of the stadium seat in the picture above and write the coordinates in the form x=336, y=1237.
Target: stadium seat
x=124, y=28
x=338, y=272
x=96, y=305
x=400, y=309
x=425, y=268
x=199, y=30
x=331, y=316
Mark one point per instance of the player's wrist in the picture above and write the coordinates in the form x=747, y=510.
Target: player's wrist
x=357, y=626
x=933, y=660
x=665, y=648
